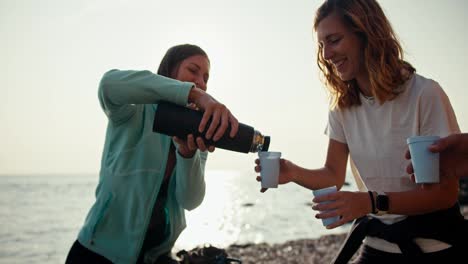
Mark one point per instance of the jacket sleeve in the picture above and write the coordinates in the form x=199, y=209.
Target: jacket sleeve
x=190, y=177
x=120, y=92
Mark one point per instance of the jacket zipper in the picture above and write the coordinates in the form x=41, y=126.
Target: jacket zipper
x=148, y=218
x=100, y=216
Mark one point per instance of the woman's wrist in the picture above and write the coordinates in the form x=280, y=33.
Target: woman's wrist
x=194, y=94
x=186, y=155
x=294, y=175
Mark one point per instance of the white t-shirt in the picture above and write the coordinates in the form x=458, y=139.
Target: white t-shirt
x=376, y=137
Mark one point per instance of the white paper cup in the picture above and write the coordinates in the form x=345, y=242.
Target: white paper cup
x=320, y=192
x=425, y=163
x=270, y=163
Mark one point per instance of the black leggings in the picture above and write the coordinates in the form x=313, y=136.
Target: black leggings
x=370, y=255
x=79, y=254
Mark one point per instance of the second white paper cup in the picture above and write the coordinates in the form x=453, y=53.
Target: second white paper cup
x=320, y=192
x=425, y=163
x=270, y=163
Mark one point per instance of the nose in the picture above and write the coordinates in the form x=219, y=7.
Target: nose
x=200, y=83
x=327, y=52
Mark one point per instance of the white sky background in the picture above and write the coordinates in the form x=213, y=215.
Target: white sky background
x=53, y=53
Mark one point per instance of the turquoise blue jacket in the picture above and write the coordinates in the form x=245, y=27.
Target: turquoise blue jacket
x=133, y=165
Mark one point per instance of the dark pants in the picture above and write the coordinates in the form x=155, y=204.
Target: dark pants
x=79, y=254
x=370, y=255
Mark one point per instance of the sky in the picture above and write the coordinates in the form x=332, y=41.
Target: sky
x=263, y=67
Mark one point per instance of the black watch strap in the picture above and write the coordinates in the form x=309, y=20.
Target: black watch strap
x=382, y=203
x=372, y=199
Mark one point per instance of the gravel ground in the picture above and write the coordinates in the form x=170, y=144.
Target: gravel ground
x=321, y=250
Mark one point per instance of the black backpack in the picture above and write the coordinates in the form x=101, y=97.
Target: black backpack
x=206, y=255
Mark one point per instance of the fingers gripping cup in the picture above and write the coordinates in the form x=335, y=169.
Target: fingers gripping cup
x=270, y=164
x=324, y=191
x=425, y=163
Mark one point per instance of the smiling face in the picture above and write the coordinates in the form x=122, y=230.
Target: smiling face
x=194, y=69
x=341, y=48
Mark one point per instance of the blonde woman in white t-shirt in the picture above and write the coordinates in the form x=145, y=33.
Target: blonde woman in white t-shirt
x=377, y=102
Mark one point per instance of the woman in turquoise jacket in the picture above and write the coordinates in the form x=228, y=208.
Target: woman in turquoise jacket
x=147, y=180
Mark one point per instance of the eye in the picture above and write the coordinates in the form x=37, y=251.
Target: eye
x=335, y=40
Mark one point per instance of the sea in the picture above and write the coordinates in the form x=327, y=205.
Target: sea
x=40, y=215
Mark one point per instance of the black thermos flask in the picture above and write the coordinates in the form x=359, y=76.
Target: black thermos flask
x=174, y=120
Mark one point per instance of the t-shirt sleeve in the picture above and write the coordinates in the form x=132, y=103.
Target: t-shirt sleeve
x=437, y=115
x=334, y=129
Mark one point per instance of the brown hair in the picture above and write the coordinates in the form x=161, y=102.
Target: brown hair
x=383, y=55
x=175, y=55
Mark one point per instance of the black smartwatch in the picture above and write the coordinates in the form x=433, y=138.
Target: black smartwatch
x=381, y=203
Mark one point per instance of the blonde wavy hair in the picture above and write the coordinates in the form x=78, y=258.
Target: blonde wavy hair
x=383, y=55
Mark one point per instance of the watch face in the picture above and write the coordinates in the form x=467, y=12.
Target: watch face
x=382, y=202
